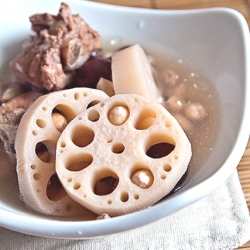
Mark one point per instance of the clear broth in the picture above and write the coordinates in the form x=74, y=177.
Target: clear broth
x=197, y=89
x=202, y=135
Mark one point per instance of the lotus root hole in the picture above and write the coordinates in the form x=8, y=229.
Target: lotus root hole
x=109, y=201
x=37, y=176
x=77, y=186
x=44, y=108
x=41, y=123
x=76, y=96
x=69, y=179
x=82, y=136
x=176, y=157
x=43, y=153
x=118, y=148
x=55, y=190
x=93, y=115
x=66, y=111
x=33, y=166
x=163, y=176
x=136, y=196
x=85, y=94
x=79, y=162
x=34, y=132
x=124, y=196
x=145, y=119
x=63, y=144
x=118, y=114
x=159, y=145
x=136, y=99
x=92, y=103
x=105, y=183
x=167, y=167
x=168, y=123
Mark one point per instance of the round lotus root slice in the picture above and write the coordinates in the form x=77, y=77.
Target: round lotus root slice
x=122, y=155
x=35, y=145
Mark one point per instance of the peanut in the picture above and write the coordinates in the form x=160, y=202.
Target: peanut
x=118, y=115
x=59, y=121
x=143, y=178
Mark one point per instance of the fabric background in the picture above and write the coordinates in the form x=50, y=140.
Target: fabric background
x=219, y=221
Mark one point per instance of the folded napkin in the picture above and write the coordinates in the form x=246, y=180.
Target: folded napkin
x=219, y=221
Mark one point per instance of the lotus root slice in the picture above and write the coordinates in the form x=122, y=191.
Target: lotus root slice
x=35, y=146
x=97, y=158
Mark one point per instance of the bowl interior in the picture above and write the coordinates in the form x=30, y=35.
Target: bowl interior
x=215, y=40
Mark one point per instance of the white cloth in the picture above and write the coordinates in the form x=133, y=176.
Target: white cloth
x=219, y=221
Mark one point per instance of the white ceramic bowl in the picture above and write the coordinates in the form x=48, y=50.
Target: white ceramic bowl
x=216, y=40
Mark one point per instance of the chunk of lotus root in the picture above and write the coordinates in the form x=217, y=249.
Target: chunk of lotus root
x=110, y=143
x=35, y=147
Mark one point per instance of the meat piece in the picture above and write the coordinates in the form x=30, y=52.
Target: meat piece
x=62, y=44
x=22, y=101
x=95, y=68
x=8, y=127
x=52, y=71
x=41, y=22
x=12, y=91
x=10, y=116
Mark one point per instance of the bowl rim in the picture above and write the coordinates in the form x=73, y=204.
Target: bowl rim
x=88, y=229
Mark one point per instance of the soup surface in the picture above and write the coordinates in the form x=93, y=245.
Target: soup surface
x=186, y=93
